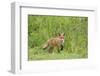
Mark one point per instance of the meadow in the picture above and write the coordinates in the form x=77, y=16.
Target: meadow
x=41, y=28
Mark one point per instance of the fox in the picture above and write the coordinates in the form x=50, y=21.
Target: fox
x=56, y=42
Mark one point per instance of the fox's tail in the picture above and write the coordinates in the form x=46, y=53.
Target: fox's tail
x=45, y=46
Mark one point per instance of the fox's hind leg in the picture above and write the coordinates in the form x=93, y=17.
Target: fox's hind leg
x=50, y=49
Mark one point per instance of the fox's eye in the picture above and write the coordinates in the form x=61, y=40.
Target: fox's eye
x=62, y=37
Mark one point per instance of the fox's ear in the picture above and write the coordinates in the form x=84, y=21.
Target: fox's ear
x=63, y=34
x=57, y=34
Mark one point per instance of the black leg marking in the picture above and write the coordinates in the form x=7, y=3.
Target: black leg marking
x=62, y=47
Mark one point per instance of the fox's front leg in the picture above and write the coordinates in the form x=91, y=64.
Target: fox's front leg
x=58, y=49
x=62, y=46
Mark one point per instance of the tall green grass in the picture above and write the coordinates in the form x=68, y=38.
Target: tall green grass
x=41, y=28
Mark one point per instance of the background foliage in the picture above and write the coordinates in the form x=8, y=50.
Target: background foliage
x=41, y=28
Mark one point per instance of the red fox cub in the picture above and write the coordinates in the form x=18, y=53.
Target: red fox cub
x=57, y=42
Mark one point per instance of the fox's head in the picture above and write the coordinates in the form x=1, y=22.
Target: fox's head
x=61, y=36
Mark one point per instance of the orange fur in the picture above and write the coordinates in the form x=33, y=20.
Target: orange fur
x=56, y=42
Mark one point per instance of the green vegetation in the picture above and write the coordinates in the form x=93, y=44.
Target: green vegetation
x=41, y=28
